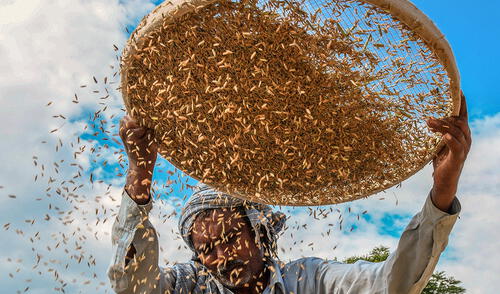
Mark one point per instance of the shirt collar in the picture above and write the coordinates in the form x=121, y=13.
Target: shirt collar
x=276, y=284
x=276, y=278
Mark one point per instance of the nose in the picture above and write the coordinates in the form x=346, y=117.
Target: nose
x=224, y=254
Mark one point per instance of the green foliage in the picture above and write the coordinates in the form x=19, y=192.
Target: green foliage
x=377, y=254
x=439, y=283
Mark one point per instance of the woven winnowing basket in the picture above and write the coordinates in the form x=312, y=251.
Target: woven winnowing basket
x=290, y=108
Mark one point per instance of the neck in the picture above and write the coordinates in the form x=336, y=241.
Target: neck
x=256, y=286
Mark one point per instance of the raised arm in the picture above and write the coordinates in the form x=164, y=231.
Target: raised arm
x=134, y=266
x=449, y=163
x=141, y=150
x=408, y=269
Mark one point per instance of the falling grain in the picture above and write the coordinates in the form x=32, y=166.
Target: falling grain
x=288, y=111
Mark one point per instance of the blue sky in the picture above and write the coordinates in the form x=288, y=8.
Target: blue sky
x=473, y=30
x=47, y=50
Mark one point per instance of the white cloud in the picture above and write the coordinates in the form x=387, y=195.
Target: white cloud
x=475, y=244
x=47, y=50
x=475, y=240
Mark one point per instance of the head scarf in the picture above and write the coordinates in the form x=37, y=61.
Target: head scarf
x=260, y=215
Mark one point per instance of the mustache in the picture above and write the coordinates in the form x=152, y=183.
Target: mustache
x=229, y=266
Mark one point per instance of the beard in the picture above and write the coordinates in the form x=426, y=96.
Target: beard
x=234, y=274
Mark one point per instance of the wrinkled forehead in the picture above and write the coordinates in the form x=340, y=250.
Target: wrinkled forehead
x=214, y=224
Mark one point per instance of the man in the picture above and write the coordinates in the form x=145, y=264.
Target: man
x=234, y=241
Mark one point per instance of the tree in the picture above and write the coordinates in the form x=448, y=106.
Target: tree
x=439, y=283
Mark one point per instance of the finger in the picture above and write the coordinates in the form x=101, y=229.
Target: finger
x=122, y=129
x=136, y=133
x=131, y=123
x=462, y=124
x=463, y=107
x=443, y=151
x=455, y=146
x=440, y=155
x=149, y=135
x=442, y=126
x=125, y=123
x=127, y=131
x=122, y=133
x=445, y=128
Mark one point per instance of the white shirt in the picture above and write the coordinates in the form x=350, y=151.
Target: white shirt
x=407, y=270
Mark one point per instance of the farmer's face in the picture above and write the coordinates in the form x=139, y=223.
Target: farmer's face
x=225, y=243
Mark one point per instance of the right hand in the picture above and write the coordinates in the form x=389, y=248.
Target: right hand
x=139, y=142
x=141, y=149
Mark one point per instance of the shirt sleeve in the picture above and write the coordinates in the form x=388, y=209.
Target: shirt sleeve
x=407, y=270
x=142, y=274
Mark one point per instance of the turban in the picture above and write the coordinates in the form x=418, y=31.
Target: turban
x=260, y=215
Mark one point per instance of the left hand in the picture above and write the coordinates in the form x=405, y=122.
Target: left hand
x=450, y=160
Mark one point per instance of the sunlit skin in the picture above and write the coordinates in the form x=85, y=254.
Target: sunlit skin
x=225, y=244
x=449, y=162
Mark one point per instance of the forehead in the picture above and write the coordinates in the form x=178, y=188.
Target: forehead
x=216, y=224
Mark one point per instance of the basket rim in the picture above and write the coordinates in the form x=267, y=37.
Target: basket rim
x=403, y=10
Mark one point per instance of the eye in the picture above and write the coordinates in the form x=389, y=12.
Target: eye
x=229, y=238
x=233, y=238
x=210, y=248
x=206, y=249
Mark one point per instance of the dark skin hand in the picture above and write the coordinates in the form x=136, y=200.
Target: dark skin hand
x=449, y=162
x=141, y=150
